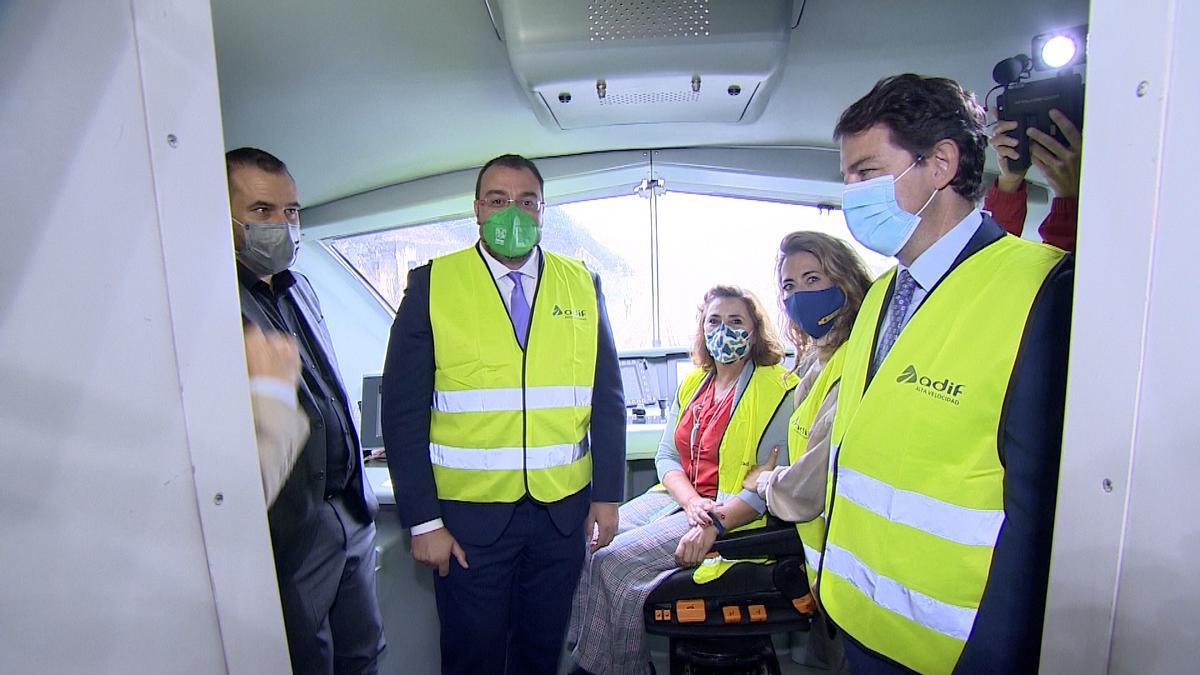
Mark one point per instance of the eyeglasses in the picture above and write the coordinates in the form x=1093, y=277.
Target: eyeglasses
x=525, y=204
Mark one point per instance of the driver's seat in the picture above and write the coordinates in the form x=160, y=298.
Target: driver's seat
x=725, y=625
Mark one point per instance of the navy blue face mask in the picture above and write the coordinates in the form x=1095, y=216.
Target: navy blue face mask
x=815, y=311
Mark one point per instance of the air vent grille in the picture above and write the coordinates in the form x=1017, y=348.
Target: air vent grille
x=647, y=19
x=650, y=98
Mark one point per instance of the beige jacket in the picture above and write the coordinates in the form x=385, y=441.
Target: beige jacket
x=797, y=492
x=280, y=428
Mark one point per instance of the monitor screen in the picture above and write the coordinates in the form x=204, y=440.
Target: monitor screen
x=371, y=429
x=683, y=368
x=635, y=377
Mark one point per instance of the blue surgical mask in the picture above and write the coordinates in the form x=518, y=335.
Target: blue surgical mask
x=727, y=345
x=815, y=311
x=875, y=217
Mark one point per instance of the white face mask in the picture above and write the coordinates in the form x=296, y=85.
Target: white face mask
x=270, y=247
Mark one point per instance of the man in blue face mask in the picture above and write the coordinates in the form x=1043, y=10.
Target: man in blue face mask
x=946, y=444
x=504, y=420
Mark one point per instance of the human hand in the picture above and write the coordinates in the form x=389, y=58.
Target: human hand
x=1006, y=149
x=1059, y=163
x=273, y=355
x=750, y=482
x=695, y=545
x=433, y=549
x=601, y=525
x=697, y=509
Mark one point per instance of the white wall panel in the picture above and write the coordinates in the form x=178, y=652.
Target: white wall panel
x=1155, y=629
x=120, y=358
x=1123, y=591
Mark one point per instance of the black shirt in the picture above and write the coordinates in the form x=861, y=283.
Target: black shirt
x=327, y=410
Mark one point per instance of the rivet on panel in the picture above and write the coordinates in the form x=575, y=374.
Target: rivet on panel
x=1142, y=88
x=172, y=140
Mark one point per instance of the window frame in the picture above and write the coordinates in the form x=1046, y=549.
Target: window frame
x=771, y=175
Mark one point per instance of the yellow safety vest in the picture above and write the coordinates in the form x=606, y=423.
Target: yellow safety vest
x=915, y=500
x=767, y=389
x=812, y=533
x=507, y=422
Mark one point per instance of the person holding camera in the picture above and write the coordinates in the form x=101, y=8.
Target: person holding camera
x=1006, y=198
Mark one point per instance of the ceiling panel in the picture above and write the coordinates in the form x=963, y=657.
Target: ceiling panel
x=359, y=95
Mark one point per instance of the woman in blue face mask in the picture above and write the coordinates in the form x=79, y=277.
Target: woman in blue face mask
x=727, y=416
x=822, y=282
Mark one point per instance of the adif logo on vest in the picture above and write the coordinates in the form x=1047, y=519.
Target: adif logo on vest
x=578, y=313
x=943, y=390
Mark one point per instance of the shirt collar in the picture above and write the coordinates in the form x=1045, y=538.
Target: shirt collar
x=929, y=267
x=500, y=270
x=250, y=280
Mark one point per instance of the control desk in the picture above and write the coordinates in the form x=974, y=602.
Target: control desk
x=649, y=378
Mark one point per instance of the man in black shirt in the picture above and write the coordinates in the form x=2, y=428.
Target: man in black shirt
x=322, y=523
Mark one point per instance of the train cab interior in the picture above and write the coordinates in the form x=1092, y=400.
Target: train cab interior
x=679, y=140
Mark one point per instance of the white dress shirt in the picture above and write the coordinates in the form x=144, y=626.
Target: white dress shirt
x=500, y=272
x=933, y=264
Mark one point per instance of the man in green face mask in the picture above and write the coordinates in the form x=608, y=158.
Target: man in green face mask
x=504, y=421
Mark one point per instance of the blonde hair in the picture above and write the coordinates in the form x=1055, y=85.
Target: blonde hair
x=844, y=268
x=766, y=347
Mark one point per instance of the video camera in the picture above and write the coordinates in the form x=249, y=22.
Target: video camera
x=1029, y=102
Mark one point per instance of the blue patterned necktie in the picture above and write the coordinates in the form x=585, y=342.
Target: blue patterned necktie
x=519, y=308
x=901, y=300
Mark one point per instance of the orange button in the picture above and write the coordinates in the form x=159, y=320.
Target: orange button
x=758, y=613
x=689, y=611
x=733, y=614
x=806, y=604
x=658, y=615
x=666, y=615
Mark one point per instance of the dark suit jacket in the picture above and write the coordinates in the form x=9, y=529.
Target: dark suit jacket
x=293, y=516
x=407, y=396
x=1007, y=634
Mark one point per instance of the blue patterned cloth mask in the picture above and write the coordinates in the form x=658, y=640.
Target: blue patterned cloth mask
x=727, y=345
x=874, y=216
x=815, y=311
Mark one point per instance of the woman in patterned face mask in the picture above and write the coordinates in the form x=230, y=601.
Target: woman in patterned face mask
x=728, y=415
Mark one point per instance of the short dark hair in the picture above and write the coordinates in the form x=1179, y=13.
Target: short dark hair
x=260, y=159
x=920, y=111
x=512, y=162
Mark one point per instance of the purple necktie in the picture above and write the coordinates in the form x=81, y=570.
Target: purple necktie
x=519, y=308
x=901, y=299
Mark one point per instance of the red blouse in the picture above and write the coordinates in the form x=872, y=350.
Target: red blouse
x=698, y=435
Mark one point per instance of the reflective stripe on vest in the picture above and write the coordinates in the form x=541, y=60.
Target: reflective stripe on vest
x=495, y=400
x=507, y=422
x=505, y=459
x=916, y=494
x=913, y=605
x=970, y=527
x=767, y=389
x=812, y=533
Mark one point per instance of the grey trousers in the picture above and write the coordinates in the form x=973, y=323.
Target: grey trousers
x=329, y=607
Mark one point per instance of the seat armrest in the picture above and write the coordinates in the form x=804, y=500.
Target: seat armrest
x=778, y=539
